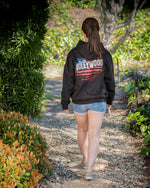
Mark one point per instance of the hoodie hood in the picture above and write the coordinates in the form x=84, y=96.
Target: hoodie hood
x=83, y=50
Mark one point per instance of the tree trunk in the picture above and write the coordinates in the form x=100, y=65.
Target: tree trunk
x=109, y=21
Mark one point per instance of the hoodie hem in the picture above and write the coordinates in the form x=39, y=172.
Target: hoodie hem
x=88, y=101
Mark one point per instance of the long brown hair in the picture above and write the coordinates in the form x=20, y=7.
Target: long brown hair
x=91, y=28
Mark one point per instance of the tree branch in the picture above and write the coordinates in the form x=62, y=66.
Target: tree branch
x=123, y=24
x=121, y=2
x=141, y=6
x=127, y=22
x=102, y=9
x=131, y=25
x=109, y=21
x=117, y=7
x=121, y=41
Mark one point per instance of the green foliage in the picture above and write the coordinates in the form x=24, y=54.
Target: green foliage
x=83, y=3
x=61, y=13
x=128, y=6
x=143, y=91
x=144, y=150
x=0, y=93
x=17, y=166
x=136, y=47
x=58, y=42
x=21, y=60
x=16, y=127
x=139, y=120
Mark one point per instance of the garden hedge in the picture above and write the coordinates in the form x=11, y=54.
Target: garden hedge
x=21, y=32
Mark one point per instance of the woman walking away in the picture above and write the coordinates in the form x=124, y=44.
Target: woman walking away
x=89, y=80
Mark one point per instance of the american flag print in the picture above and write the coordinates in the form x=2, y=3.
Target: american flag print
x=88, y=69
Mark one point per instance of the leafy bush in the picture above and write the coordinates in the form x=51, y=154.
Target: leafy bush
x=61, y=13
x=142, y=89
x=0, y=94
x=17, y=166
x=82, y=3
x=21, y=60
x=136, y=47
x=139, y=119
x=58, y=42
x=16, y=127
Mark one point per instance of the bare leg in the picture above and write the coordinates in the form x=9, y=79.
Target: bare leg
x=94, y=124
x=82, y=122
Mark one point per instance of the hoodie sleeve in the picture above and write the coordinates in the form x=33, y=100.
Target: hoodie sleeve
x=109, y=78
x=68, y=81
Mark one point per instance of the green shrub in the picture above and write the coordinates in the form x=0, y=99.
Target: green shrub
x=21, y=60
x=137, y=44
x=16, y=127
x=58, y=42
x=61, y=13
x=83, y=3
x=139, y=119
x=17, y=166
x=0, y=94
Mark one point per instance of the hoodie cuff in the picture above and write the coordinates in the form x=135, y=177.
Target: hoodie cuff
x=65, y=108
x=65, y=104
x=109, y=101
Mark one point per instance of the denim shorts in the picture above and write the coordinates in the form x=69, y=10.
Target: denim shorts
x=95, y=107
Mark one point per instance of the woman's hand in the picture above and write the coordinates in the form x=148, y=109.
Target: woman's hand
x=66, y=111
x=108, y=112
x=108, y=106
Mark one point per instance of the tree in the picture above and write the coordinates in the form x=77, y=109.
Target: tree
x=111, y=11
x=22, y=29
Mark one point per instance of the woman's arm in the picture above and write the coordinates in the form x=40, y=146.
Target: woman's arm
x=68, y=81
x=109, y=78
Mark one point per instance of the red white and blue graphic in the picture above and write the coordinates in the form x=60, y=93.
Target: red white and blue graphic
x=88, y=69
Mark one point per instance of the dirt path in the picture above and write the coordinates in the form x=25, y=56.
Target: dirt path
x=117, y=147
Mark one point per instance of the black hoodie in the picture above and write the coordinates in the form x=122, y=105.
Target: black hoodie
x=86, y=78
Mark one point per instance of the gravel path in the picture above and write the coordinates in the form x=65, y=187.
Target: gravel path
x=117, y=147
